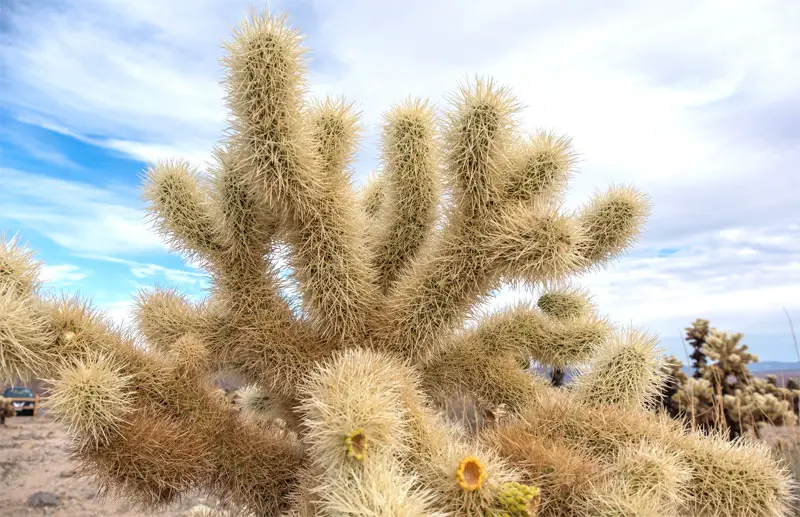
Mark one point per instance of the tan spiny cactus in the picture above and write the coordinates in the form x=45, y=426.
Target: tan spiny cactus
x=343, y=413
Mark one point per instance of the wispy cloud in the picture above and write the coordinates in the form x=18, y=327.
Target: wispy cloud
x=62, y=275
x=77, y=216
x=157, y=272
x=36, y=149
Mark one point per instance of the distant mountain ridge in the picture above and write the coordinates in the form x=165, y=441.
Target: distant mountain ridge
x=766, y=367
x=789, y=368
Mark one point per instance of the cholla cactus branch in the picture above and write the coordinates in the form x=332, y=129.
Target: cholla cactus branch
x=409, y=189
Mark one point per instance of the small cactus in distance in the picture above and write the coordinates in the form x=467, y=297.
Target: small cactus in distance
x=727, y=396
x=343, y=411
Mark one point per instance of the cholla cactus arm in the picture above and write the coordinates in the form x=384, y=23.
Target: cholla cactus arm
x=24, y=334
x=695, y=400
x=409, y=191
x=566, y=476
x=550, y=341
x=541, y=167
x=626, y=370
x=468, y=368
x=265, y=83
x=19, y=272
x=612, y=221
x=372, y=197
x=478, y=135
x=181, y=208
x=565, y=303
x=655, y=472
x=164, y=315
x=357, y=431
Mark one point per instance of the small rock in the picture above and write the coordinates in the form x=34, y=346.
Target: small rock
x=67, y=474
x=43, y=500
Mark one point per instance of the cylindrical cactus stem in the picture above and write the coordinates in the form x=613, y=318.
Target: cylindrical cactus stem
x=434, y=294
x=255, y=467
x=372, y=196
x=565, y=476
x=265, y=82
x=526, y=332
x=25, y=335
x=152, y=459
x=565, y=302
x=19, y=271
x=612, y=220
x=626, y=370
x=467, y=367
x=541, y=166
x=351, y=409
x=535, y=244
x=410, y=187
x=93, y=397
x=657, y=472
x=244, y=221
x=180, y=208
x=164, y=315
x=733, y=477
x=478, y=133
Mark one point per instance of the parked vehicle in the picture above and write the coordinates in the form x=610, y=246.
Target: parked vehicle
x=22, y=400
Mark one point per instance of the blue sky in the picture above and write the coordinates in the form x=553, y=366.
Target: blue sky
x=695, y=102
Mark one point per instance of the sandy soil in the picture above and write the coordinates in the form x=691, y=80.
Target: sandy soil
x=33, y=458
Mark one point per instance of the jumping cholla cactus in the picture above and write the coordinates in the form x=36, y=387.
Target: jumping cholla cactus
x=727, y=395
x=674, y=379
x=343, y=413
x=696, y=335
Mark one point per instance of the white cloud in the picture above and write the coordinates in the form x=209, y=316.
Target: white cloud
x=145, y=270
x=120, y=312
x=62, y=274
x=694, y=102
x=80, y=217
x=36, y=148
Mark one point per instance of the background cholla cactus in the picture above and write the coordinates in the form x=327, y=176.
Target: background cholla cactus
x=696, y=335
x=343, y=410
x=674, y=379
x=794, y=388
x=726, y=395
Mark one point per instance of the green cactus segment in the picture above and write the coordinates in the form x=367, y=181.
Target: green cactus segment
x=517, y=500
x=357, y=444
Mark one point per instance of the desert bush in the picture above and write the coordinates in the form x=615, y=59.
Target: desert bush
x=343, y=413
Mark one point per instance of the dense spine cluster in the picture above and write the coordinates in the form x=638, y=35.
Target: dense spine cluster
x=349, y=388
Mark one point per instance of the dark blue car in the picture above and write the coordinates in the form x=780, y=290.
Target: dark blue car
x=22, y=407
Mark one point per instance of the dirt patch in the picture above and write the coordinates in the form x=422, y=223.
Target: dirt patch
x=34, y=458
